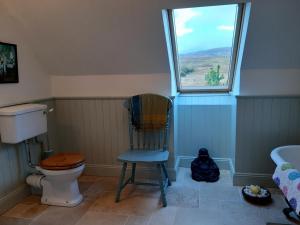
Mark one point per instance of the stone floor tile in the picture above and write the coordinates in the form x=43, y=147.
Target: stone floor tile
x=128, y=205
x=13, y=221
x=88, y=178
x=163, y=216
x=101, y=218
x=199, y=216
x=182, y=196
x=29, y=208
x=184, y=179
x=189, y=202
x=138, y=220
x=101, y=185
x=212, y=192
x=84, y=186
x=55, y=215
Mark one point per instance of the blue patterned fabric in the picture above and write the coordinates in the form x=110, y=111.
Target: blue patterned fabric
x=287, y=178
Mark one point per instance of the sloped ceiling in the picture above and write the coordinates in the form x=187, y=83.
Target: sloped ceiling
x=78, y=37
x=273, y=35
x=73, y=37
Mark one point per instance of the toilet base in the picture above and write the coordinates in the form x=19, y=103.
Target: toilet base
x=61, y=193
x=55, y=202
x=60, y=188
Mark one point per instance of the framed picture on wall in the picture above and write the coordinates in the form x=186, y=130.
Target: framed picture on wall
x=8, y=63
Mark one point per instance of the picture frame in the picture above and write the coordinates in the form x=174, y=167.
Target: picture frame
x=8, y=63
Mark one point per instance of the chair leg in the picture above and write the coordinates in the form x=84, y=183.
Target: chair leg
x=166, y=174
x=121, y=181
x=133, y=173
x=162, y=185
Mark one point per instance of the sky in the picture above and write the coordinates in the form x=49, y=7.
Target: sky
x=204, y=28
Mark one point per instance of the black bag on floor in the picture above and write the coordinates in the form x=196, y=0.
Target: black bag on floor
x=204, y=168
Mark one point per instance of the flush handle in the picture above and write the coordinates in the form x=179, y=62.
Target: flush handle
x=48, y=111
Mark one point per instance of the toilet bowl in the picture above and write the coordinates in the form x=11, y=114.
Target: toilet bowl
x=59, y=179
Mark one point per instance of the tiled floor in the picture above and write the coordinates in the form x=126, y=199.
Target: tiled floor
x=189, y=203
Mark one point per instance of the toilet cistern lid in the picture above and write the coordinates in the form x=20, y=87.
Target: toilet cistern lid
x=62, y=161
x=21, y=109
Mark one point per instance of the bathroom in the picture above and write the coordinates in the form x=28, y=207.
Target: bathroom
x=83, y=60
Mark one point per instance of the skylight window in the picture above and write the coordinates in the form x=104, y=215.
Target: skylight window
x=205, y=45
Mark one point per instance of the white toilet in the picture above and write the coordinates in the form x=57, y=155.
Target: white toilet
x=59, y=173
x=59, y=180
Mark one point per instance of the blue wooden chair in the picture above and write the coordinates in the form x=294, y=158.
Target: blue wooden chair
x=148, y=117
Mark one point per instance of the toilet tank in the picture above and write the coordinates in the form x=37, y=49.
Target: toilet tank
x=22, y=122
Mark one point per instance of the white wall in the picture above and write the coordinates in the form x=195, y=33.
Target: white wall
x=97, y=37
x=271, y=60
x=34, y=84
x=110, y=85
x=33, y=81
x=270, y=82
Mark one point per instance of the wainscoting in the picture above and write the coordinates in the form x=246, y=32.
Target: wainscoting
x=97, y=128
x=14, y=169
x=206, y=121
x=263, y=123
x=240, y=134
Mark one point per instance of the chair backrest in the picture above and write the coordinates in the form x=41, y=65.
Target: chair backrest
x=148, y=121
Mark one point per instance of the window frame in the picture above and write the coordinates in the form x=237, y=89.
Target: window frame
x=233, y=61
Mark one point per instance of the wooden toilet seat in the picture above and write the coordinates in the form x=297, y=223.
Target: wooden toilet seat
x=62, y=161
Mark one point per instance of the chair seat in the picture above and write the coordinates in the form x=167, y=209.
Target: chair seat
x=144, y=156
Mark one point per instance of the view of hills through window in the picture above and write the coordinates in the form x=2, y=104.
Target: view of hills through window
x=205, y=38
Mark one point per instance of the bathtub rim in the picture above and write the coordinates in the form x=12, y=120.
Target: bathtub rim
x=275, y=154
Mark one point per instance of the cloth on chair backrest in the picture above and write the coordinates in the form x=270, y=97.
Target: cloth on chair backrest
x=149, y=111
x=149, y=116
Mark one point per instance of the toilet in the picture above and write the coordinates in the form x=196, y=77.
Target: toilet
x=56, y=175
x=59, y=180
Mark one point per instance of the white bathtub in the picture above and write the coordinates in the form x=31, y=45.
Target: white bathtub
x=290, y=154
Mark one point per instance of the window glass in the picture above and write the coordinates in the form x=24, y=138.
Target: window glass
x=204, y=46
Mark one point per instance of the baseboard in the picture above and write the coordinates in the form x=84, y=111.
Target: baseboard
x=223, y=163
x=242, y=179
x=114, y=170
x=177, y=163
x=12, y=198
x=231, y=166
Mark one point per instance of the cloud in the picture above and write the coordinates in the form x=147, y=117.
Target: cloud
x=225, y=27
x=182, y=16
